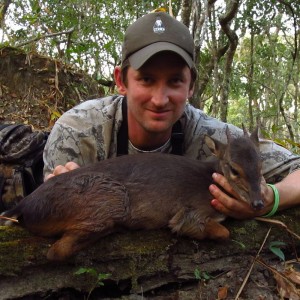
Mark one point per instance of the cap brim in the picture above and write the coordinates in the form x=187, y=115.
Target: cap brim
x=138, y=58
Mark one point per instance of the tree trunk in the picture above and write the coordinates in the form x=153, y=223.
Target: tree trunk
x=250, y=81
x=225, y=22
x=3, y=9
x=186, y=8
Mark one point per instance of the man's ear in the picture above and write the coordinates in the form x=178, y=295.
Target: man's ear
x=119, y=82
x=191, y=92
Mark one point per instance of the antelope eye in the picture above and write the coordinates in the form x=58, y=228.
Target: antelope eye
x=233, y=170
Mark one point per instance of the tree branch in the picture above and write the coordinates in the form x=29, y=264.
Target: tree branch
x=225, y=22
x=3, y=9
x=44, y=37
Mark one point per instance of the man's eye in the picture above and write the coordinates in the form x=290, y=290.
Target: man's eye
x=176, y=80
x=146, y=79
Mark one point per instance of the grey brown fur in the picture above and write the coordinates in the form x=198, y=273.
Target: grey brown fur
x=143, y=191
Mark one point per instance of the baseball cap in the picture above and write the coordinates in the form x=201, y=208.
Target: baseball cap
x=154, y=33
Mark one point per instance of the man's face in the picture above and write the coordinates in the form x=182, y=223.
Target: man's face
x=157, y=93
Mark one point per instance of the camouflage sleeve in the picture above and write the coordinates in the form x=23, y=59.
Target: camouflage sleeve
x=65, y=144
x=85, y=134
x=278, y=162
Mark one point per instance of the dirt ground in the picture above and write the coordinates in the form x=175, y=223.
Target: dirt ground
x=36, y=90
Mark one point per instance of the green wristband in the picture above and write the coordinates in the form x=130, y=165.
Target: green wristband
x=276, y=201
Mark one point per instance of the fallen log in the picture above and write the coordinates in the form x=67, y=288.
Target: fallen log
x=149, y=264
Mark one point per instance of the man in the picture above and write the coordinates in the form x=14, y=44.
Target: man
x=155, y=79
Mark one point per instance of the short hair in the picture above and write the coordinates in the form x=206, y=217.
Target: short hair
x=125, y=65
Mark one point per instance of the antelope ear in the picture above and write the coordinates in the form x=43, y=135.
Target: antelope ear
x=214, y=146
x=228, y=134
x=245, y=130
x=254, y=136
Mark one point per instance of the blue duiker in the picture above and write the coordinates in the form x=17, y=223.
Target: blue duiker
x=142, y=191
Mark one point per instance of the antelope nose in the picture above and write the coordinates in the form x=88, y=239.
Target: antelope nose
x=258, y=204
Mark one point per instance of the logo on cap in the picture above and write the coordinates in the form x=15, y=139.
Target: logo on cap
x=158, y=26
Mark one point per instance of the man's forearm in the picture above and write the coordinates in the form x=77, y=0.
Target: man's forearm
x=289, y=190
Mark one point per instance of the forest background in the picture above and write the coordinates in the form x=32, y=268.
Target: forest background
x=247, y=52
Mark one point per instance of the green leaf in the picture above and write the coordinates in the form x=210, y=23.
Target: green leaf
x=102, y=276
x=55, y=115
x=197, y=274
x=275, y=248
x=80, y=271
x=90, y=271
x=201, y=275
x=206, y=276
x=240, y=244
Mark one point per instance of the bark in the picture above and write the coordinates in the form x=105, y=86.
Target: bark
x=186, y=8
x=148, y=264
x=297, y=92
x=3, y=9
x=290, y=74
x=225, y=22
x=250, y=91
x=202, y=81
x=250, y=84
x=216, y=54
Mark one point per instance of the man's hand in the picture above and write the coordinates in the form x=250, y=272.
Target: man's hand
x=231, y=205
x=69, y=166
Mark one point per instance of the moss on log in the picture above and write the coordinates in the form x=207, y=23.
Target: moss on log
x=141, y=262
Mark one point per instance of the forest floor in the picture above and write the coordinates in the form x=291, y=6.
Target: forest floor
x=36, y=90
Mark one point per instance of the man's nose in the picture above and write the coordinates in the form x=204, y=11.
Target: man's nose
x=160, y=96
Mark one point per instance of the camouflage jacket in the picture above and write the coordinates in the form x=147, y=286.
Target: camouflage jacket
x=88, y=133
